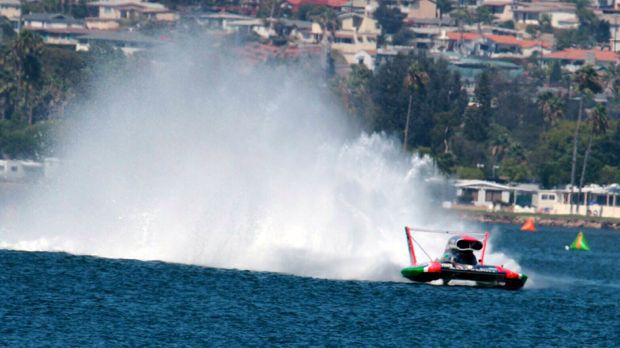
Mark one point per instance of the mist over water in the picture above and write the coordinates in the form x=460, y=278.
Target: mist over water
x=202, y=159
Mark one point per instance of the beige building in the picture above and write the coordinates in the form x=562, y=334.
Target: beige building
x=420, y=9
x=594, y=201
x=132, y=10
x=563, y=15
x=11, y=9
x=128, y=42
x=36, y=21
x=358, y=33
x=501, y=9
x=614, y=29
x=55, y=28
x=94, y=23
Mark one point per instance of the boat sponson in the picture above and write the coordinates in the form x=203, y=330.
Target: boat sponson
x=483, y=274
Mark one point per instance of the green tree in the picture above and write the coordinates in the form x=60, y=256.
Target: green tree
x=609, y=174
x=463, y=16
x=357, y=96
x=390, y=18
x=484, y=15
x=469, y=173
x=325, y=16
x=403, y=37
x=544, y=24
x=444, y=6
x=273, y=9
x=25, y=56
x=611, y=80
x=6, y=30
x=415, y=79
x=389, y=95
x=588, y=80
x=509, y=24
x=551, y=159
x=484, y=96
x=599, y=122
x=513, y=170
x=532, y=30
x=555, y=75
x=602, y=33
x=588, y=83
x=476, y=127
x=552, y=108
x=478, y=117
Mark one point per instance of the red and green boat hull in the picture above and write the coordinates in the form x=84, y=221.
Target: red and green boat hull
x=482, y=274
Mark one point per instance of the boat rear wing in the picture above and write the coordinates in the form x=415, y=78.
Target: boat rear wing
x=411, y=241
x=410, y=246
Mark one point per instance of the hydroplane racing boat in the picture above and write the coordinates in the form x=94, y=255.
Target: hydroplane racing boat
x=459, y=262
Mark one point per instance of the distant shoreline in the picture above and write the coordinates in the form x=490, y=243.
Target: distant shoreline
x=571, y=221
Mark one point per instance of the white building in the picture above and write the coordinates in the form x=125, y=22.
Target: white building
x=18, y=170
x=489, y=194
x=563, y=15
x=594, y=201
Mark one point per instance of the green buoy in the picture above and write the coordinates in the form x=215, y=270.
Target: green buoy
x=579, y=243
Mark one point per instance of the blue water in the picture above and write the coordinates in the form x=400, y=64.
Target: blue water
x=56, y=299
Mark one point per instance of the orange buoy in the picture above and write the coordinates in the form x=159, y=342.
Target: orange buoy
x=529, y=225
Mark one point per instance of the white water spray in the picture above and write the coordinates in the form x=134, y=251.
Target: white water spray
x=197, y=161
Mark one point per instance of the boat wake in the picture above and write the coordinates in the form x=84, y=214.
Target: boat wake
x=208, y=164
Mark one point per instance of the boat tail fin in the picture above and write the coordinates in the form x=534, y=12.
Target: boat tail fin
x=410, y=246
x=484, y=247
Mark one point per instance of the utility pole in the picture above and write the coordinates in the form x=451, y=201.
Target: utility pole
x=615, y=30
x=406, y=135
x=574, y=161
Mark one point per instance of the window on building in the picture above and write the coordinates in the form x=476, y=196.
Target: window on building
x=493, y=196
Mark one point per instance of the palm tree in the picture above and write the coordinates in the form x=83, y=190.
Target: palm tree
x=415, y=79
x=552, y=108
x=588, y=80
x=588, y=83
x=599, y=122
x=611, y=79
x=328, y=19
x=444, y=6
x=25, y=53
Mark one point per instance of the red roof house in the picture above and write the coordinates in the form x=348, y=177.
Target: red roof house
x=296, y=4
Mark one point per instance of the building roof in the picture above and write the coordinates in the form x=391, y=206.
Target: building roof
x=330, y=3
x=496, y=2
x=577, y=54
x=463, y=36
x=344, y=34
x=545, y=7
x=246, y=22
x=217, y=15
x=256, y=52
x=51, y=17
x=75, y=31
x=445, y=21
x=511, y=40
x=125, y=36
x=143, y=5
x=498, y=39
x=293, y=23
x=592, y=188
x=482, y=184
x=10, y=2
